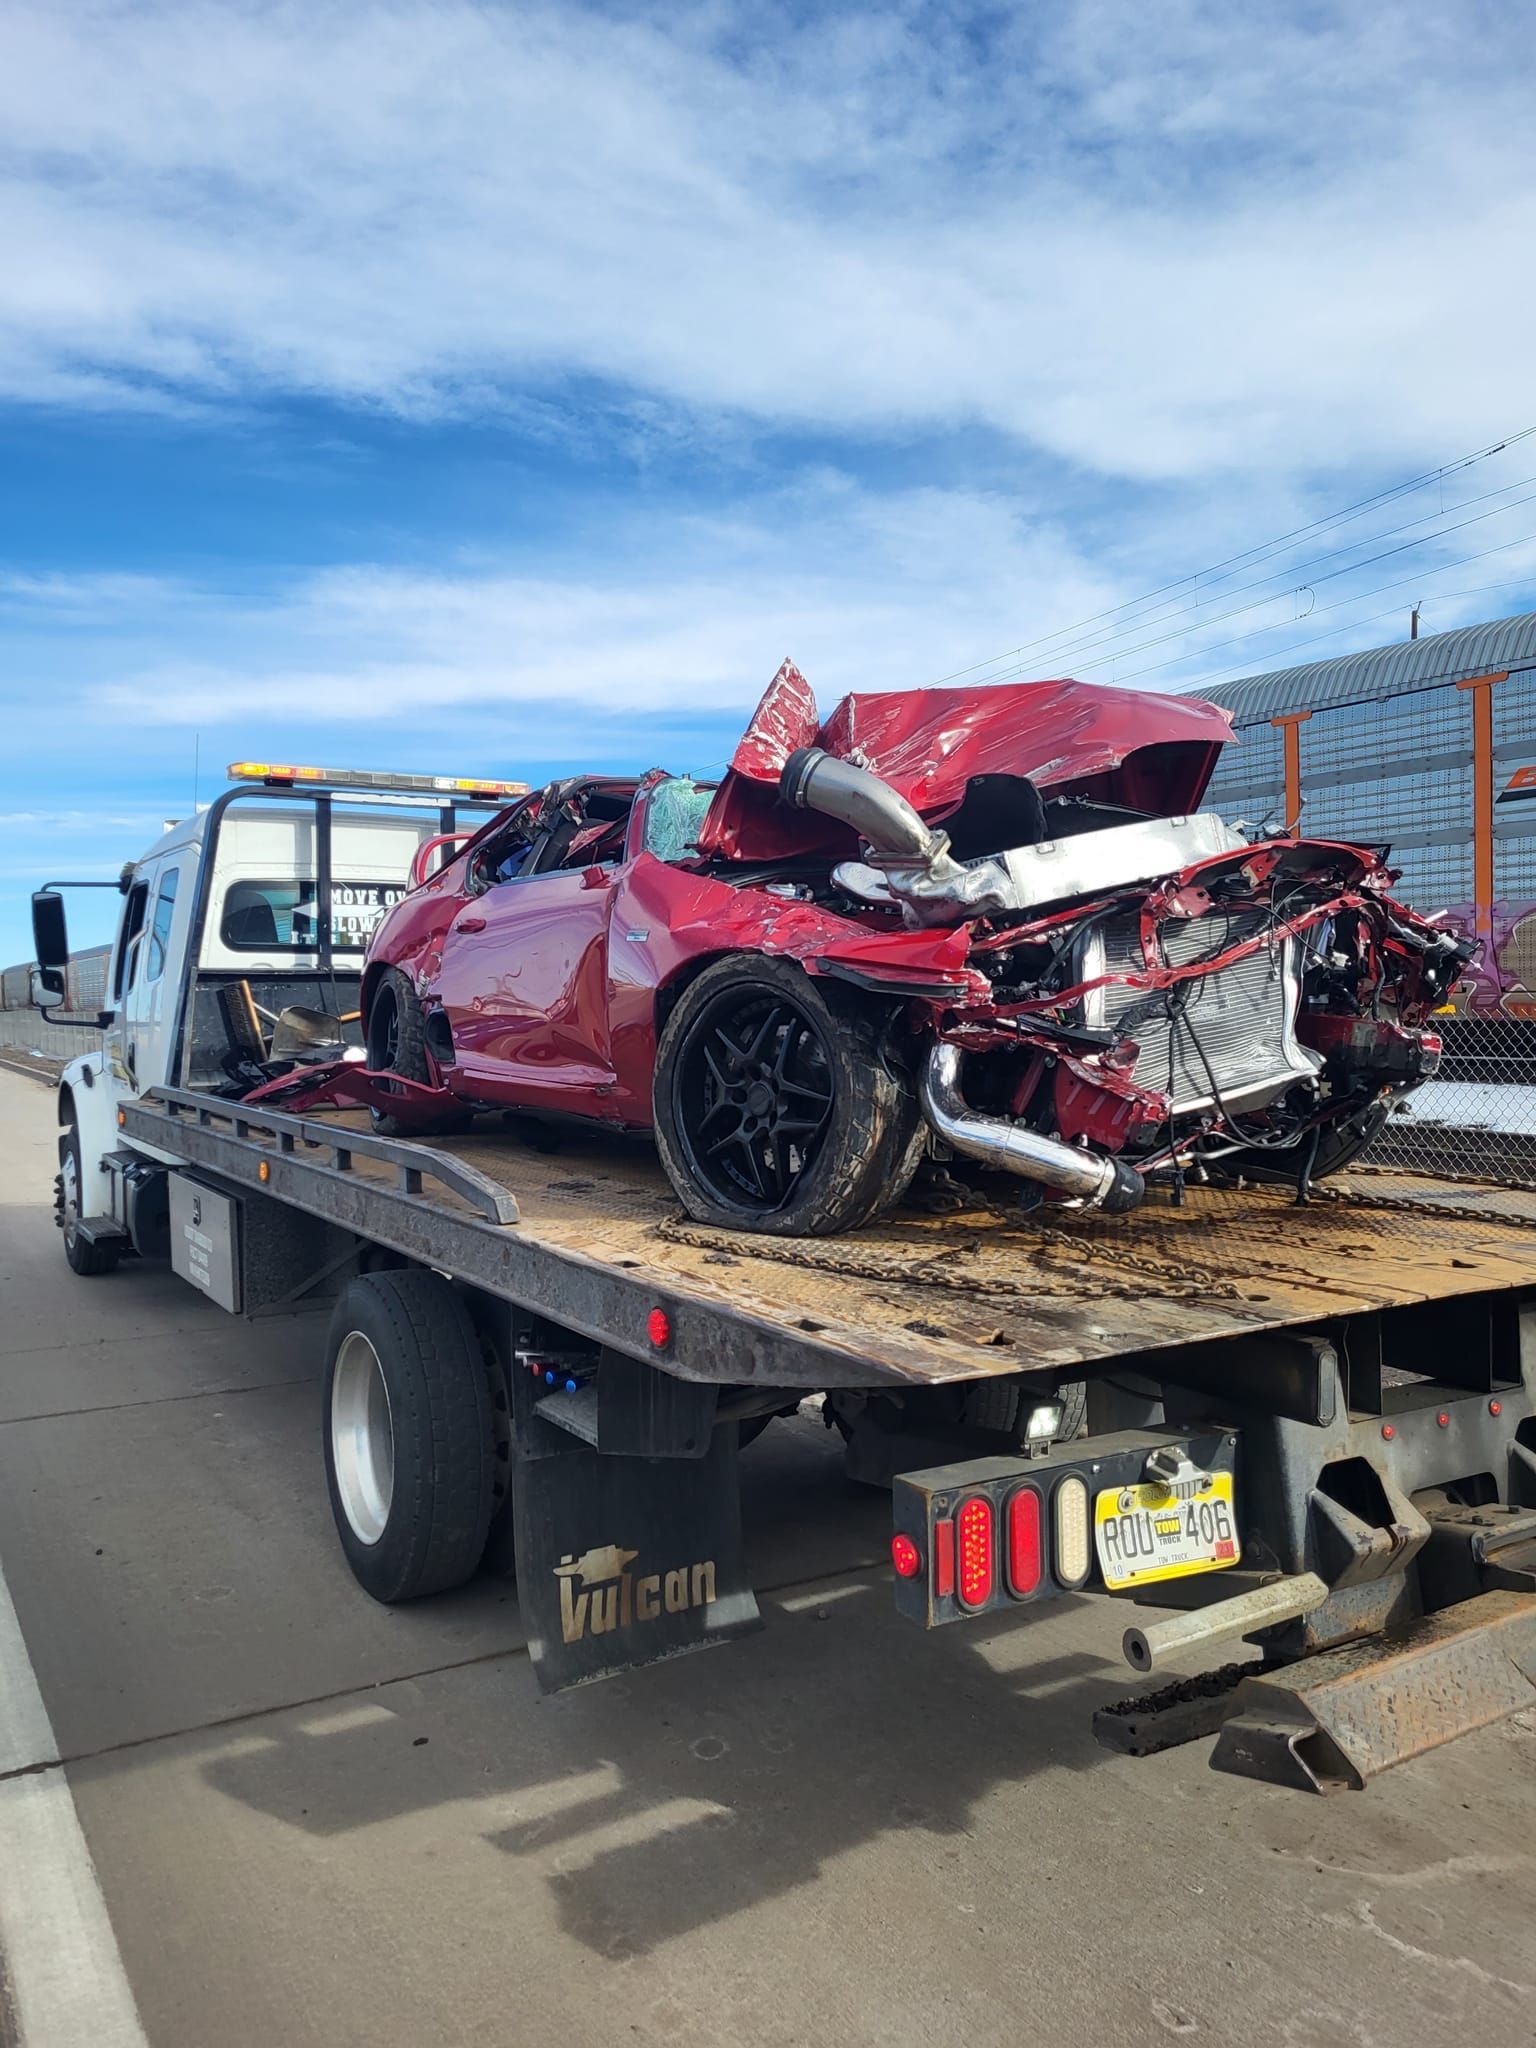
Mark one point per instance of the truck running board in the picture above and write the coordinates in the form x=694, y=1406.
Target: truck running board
x=1335, y=1720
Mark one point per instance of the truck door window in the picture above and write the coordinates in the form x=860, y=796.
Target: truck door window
x=160, y=930
x=133, y=924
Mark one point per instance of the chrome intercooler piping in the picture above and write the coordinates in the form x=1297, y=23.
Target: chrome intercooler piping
x=1102, y=1183
x=816, y=781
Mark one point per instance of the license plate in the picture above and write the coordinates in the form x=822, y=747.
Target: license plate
x=1148, y=1532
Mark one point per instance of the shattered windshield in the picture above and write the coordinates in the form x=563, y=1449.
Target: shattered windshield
x=674, y=812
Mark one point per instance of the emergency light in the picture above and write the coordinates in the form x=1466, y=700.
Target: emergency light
x=278, y=776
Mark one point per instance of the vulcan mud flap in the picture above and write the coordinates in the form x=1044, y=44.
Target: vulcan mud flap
x=622, y=1561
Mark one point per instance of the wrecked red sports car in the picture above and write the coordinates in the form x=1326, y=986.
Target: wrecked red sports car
x=979, y=925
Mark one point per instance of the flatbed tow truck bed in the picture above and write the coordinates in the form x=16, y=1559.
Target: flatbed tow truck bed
x=599, y=1241
x=1320, y=1420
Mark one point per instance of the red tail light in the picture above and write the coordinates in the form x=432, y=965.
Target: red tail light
x=943, y=1560
x=973, y=1529
x=1024, y=1543
x=905, y=1557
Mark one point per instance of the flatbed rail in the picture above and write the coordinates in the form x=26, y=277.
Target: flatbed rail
x=915, y=1299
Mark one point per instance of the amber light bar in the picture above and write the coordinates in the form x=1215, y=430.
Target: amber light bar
x=277, y=775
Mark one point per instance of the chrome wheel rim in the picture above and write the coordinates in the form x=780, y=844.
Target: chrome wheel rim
x=71, y=1185
x=362, y=1438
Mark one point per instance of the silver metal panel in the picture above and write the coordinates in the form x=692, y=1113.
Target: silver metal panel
x=205, y=1240
x=1088, y=863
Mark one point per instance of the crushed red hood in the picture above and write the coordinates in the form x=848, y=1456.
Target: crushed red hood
x=1152, y=753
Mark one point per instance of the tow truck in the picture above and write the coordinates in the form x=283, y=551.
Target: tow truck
x=1305, y=1425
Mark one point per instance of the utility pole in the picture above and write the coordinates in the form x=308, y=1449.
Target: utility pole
x=1413, y=622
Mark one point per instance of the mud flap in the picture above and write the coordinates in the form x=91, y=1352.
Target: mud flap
x=622, y=1561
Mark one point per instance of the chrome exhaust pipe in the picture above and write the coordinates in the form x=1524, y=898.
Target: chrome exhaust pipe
x=1102, y=1183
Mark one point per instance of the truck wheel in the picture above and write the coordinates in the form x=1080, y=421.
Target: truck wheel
x=410, y=1447
x=1000, y=1405
x=84, y=1257
x=777, y=1106
x=397, y=1044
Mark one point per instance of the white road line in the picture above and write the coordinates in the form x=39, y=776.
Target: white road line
x=65, y=1977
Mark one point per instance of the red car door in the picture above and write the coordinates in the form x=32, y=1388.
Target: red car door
x=524, y=982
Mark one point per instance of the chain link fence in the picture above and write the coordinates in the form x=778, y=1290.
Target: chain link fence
x=25, y=1032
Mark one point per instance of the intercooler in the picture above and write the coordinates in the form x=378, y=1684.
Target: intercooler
x=1238, y=1022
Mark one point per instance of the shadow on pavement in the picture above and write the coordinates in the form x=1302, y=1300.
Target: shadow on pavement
x=672, y=1799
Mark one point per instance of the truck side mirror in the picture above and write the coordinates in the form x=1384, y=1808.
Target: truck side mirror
x=50, y=941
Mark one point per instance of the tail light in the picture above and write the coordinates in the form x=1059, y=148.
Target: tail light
x=1024, y=1543
x=906, y=1557
x=973, y=1532
x=943, y=1560
x=1069, y=1512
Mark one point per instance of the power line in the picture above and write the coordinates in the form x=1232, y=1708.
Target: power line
x=1258, y=553
x=1360, y=597
x=1257, y=604
x=1259, y=668
x=1073, y=650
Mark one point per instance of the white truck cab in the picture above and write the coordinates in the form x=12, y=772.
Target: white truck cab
x=240, y=943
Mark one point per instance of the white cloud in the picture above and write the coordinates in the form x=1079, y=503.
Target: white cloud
x=1157, y=242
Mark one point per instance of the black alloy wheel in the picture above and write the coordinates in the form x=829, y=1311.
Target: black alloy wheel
x=779, y=1104
x=754, y=1096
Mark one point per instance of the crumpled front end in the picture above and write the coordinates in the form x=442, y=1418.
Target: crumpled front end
x=1160, y=993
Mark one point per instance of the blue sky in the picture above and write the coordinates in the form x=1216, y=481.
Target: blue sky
x=506, y=389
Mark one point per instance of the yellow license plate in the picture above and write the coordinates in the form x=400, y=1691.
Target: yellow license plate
x=1148, y=1532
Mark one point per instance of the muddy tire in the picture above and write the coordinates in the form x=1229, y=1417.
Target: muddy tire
x=409, y=1432
x=396, y=1042
x=87, y=1259
x=778, y=1105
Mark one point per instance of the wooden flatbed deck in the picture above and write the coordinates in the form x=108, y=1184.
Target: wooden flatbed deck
x=916, y=1298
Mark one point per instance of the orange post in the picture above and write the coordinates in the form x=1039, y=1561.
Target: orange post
x=1482, y=803
x=1290, y=723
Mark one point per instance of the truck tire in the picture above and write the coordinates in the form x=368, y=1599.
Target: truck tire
x=1005, y=1407
x=83, y=1257
x=778, y=1108
x=396, y=1043
x=410, y=1448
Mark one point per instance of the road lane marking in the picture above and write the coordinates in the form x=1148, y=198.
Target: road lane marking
x=61, y=1963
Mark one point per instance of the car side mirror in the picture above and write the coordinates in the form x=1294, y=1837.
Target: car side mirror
x=46, y=988
x=594, y=878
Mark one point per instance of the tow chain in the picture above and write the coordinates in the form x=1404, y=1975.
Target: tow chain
x=1173, y=1281
x=1353, y=1198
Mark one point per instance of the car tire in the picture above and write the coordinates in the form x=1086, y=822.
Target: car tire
x=410, y=1443
x=87, y=1259
x=758, y=1046
x=396, y=1042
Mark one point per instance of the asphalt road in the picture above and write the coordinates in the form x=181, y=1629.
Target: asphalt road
x=314, y=1820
